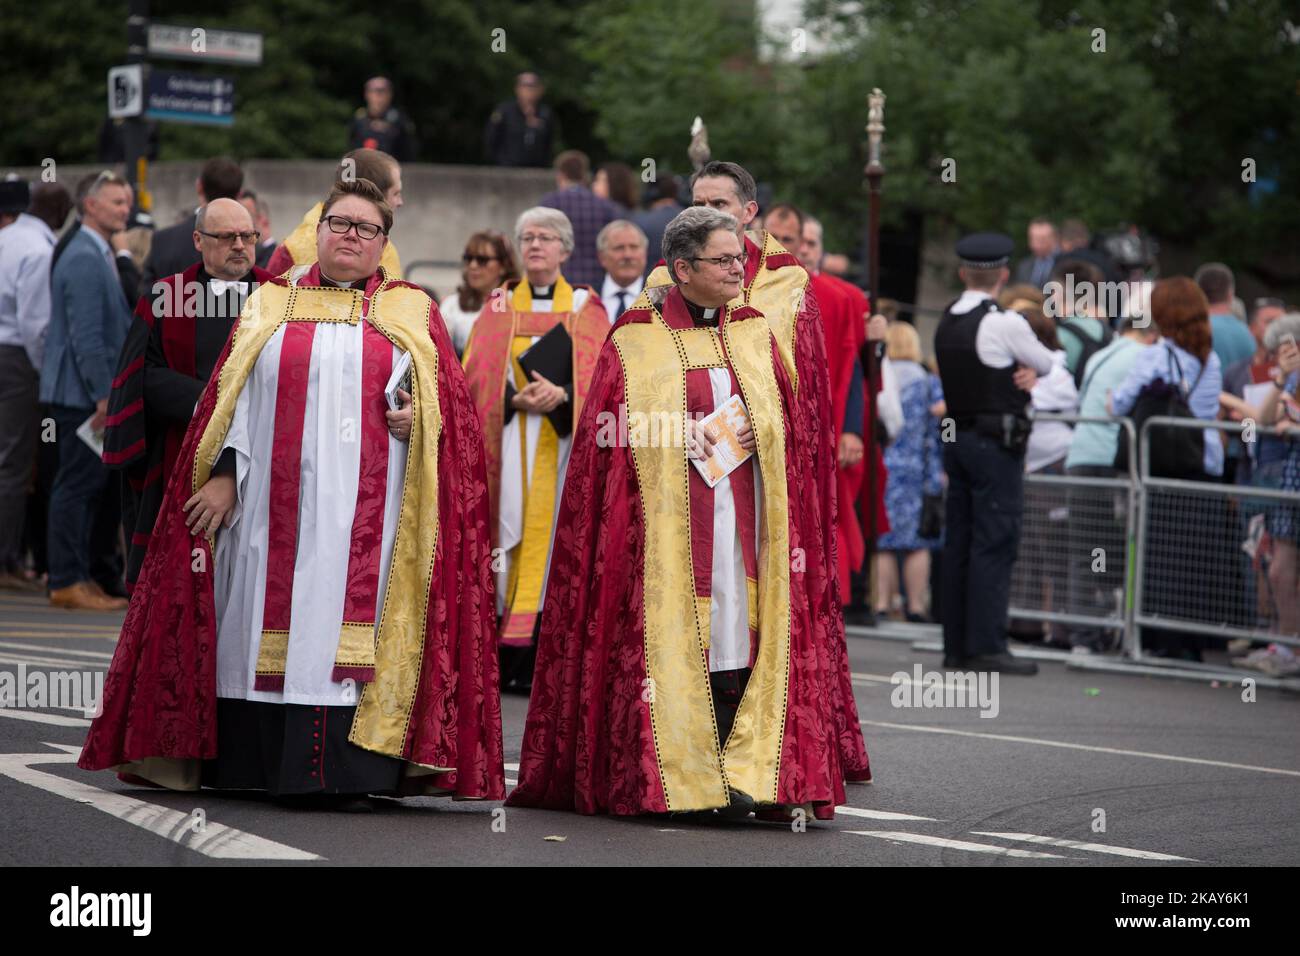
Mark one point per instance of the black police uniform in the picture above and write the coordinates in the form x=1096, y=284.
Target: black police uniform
x=985, y=467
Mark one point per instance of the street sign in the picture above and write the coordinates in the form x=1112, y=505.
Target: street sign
x=201, y=43
x=126, y=90
x=190, y=98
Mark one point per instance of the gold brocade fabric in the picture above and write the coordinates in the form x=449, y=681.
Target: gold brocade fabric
x=654, y=359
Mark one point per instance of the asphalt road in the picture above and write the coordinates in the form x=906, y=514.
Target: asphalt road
x=1179, y=773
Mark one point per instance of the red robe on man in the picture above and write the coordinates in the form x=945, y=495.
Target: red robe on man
x=844, y=315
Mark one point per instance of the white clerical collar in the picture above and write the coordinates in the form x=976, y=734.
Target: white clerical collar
x=221, y=286
x=540, y=291
x=710, y=313
x=342, y=285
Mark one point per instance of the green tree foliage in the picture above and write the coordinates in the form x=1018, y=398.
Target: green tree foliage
x=1035, y=117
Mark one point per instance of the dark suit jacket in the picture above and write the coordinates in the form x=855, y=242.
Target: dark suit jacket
x=172, y=252
x=264, y=252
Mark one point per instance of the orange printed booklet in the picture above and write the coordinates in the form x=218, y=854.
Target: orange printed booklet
x=722, y=425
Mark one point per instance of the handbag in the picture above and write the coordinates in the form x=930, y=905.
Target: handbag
x=1175, y=452
x=930, y=526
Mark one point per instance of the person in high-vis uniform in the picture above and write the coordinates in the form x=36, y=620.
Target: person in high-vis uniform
x=988, y=361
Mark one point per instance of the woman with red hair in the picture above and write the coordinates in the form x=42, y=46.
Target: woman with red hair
x=1183, y=358
x=1180, y=581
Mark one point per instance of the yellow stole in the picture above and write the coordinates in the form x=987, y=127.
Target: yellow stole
x=523, y=596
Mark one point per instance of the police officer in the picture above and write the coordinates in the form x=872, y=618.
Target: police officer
x=988, y=361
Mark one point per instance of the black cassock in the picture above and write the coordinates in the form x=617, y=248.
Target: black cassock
x=177, y=335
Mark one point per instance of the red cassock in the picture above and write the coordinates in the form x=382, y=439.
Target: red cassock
x=843, y=313
x=859, y=313
x=160, y=697
x=621, y=720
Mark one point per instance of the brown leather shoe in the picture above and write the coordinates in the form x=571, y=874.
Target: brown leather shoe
x=81, y=597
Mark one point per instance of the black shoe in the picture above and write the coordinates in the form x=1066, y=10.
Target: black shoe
x=953, y=662
x=741, y=806
x=1003, y=663
x=914, y=618
x=859, y=616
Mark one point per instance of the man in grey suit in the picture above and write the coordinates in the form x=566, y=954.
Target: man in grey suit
x=173, y=249
x=89, y=318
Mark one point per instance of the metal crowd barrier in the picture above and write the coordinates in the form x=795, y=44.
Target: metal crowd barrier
x=1138, y=559
x=1076, y=544
x=1191, y=546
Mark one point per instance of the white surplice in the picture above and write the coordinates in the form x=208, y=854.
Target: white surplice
x=729, y=602
x=331, y=460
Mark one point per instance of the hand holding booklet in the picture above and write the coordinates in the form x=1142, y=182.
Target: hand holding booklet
x=401, y=378
x=723, y=426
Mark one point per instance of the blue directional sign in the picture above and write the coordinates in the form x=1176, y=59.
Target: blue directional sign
x=190, y=98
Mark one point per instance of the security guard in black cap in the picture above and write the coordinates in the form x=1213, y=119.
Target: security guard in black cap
x=988, y=361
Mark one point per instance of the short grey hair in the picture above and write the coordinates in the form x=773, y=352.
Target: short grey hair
x=546, y=218
x=1280, y=328
x=602, y=237
x=687, y=235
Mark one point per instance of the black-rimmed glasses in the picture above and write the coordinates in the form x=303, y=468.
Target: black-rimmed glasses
x=341, y=226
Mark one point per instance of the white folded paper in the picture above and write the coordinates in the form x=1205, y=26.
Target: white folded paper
x=401, y=378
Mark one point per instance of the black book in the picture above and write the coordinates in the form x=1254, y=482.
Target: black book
x=551, y=357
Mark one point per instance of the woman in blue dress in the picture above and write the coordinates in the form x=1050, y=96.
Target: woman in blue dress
x=915, y=464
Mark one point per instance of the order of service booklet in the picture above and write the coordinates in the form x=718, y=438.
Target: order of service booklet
x=723, y=425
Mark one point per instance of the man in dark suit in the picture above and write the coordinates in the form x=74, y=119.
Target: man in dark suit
x=1036, y=268
x=89, y=318
x=173, y=248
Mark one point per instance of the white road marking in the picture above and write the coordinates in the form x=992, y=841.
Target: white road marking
x=88, y=635
x=877, y=814
x=947, y=844
x=51, y=662
x=40, y=718
x=216, y=839
x=100, y=655
x=56, y=626
x=1090, y=847
x=1089, y=747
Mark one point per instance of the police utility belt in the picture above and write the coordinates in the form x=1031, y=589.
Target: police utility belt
x=1009, y=430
